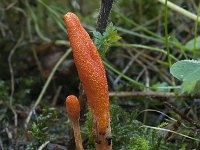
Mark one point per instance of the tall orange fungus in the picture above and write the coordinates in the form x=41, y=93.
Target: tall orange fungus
x=90, y=70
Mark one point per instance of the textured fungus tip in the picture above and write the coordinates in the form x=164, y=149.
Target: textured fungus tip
x=69, y=15
x=91, y=72
x=73, y=107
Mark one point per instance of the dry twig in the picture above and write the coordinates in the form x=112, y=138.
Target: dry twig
x=182, y=115
x=12, y=76
x=163, y=95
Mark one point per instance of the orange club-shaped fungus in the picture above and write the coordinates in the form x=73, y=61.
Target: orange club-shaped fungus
x=92, y=74
x=73, y=112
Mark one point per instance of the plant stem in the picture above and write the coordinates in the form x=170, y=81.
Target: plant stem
x=105, y=9
x=166, y=35
x=195, y=32
x=167, y=39
x=179, y=10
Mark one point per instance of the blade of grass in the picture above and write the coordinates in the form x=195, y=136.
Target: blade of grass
x=131, y=22
x=144, y=47
x=58, y=19
x=171, y=131
x=139, y=35
x=166, y=35
x=195, y=33
x=37, y=29
x=46, y=85
x=134, y=82
x=150, y=38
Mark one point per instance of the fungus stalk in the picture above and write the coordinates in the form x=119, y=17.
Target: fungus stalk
x=92, y=74
x=73, y=111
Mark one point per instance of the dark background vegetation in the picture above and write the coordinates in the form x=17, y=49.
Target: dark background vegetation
x=33, y=38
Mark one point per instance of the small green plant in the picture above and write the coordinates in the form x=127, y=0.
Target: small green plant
x=39, y=129
x=105, y=40
x=139, y=143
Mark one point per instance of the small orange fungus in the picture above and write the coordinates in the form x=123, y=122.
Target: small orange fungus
x=73, y=107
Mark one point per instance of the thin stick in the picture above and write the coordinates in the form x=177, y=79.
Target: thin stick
x=183, y=116
x=12, y=77
x=46, y=85
x=180, y=10
x=164, y=95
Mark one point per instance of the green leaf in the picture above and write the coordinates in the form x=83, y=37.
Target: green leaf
x=190, y=44
x=187, y=71
x=188, y=86
x=105, y=40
